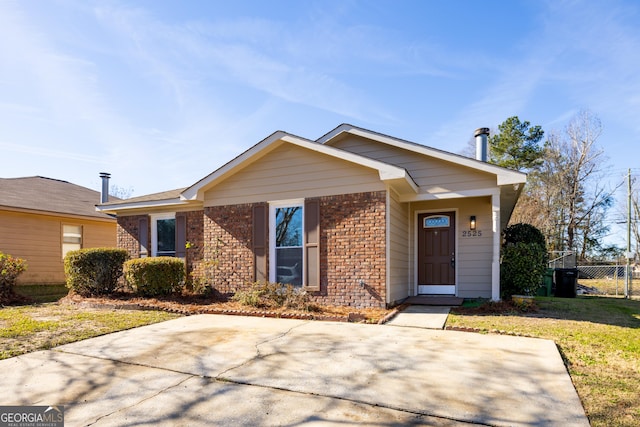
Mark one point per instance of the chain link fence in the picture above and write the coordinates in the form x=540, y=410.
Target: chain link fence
x=607, y=279
x=602, y=279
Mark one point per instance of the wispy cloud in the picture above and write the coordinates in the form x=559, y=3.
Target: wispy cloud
x=587, y=53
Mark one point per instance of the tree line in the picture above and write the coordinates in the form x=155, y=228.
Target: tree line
x=566, y=196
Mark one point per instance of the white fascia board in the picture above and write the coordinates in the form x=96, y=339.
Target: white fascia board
x=114, y=209
x=479, y=192
x=504, y=176
x=511, y=177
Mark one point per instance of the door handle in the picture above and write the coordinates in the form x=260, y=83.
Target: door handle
x=453, y=262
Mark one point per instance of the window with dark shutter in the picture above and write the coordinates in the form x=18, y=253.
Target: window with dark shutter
x=143, y=236
x=312, y=244
x=181, y=235
x=260, y=240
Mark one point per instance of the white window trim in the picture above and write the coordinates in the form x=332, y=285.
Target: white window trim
x=154, y=229
x=81, y=236
x=272, y=236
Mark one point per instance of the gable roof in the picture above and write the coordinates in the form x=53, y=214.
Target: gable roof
x=387, y=172
x=504, y=176
x=395, y=176
x=37, y=193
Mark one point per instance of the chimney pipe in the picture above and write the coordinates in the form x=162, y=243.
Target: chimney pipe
x=482, y=145
x=104, y=195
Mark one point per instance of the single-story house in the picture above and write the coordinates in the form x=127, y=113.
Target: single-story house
x=41, y=219
x=355, y=217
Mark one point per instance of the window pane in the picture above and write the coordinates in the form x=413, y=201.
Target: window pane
x=289, y=227
x=72, y=234
x=71, y=238
x=289, y=266
x=166, y=237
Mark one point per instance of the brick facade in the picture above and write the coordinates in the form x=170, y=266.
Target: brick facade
x=352, y=248
x=227, y=247
x=195, y=244
x=128, y=232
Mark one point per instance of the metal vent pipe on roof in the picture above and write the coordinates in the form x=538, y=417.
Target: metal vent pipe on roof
x=104, y=195
x=482, y=144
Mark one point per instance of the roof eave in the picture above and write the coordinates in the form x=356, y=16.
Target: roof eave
x=123, y=207
x=504, y=176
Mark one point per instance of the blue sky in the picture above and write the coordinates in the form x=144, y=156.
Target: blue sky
x=161, y=93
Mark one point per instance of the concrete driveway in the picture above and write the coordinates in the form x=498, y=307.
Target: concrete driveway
x=232, y=370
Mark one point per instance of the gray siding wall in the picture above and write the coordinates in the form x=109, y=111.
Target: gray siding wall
x=400, y=278
x=432, y=175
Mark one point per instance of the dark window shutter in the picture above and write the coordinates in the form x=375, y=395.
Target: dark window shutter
x=181, y=235
x=312, y=244
x=260, y=241
x=143, y=236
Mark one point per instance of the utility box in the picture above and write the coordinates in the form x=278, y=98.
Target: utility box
x=566, y=282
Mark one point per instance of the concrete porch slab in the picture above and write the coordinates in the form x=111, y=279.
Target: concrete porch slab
x=421, y=316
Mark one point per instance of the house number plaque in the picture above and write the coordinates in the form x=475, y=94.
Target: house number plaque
x=472, y=233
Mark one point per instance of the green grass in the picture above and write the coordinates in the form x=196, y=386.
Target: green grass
x=599, y=339
x=42, y=326
x=607, y=286
x=43, y=293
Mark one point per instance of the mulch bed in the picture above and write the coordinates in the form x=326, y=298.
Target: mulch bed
x=9, y=297
x=194, y=304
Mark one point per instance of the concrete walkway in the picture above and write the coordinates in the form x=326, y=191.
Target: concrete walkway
x=421, y=316
x=232, y=370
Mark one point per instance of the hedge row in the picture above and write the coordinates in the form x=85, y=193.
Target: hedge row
x=96, y=271
x=155, y=276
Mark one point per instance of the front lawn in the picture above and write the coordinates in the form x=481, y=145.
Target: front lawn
x=42, y=326
x=599, y=339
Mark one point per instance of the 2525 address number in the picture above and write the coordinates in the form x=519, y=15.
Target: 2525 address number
x=472, y=233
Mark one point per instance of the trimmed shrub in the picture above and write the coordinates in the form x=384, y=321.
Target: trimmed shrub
x=10, y=268
x=524, y=233
x=94, y=271
x=524, y=261
x=155, y=276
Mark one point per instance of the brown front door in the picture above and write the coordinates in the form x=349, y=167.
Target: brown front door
x=436, y=253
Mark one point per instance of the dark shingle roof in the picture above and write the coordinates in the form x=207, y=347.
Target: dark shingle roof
x=50, y=195
x=164, y=195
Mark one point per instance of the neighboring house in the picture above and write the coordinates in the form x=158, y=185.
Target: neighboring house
x=41, y=219
x=356, y=218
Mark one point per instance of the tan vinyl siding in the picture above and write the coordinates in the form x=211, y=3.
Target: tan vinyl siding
x=291, y=172
x=399, y=279
x=431, y=175
x=38, y=239
x=473, y=253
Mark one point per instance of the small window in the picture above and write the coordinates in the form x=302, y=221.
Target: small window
x=71, y=238
x=163, y=235
x=436, y=221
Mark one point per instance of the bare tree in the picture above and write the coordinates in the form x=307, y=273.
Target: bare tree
x=566, y=196
x=120, y=192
